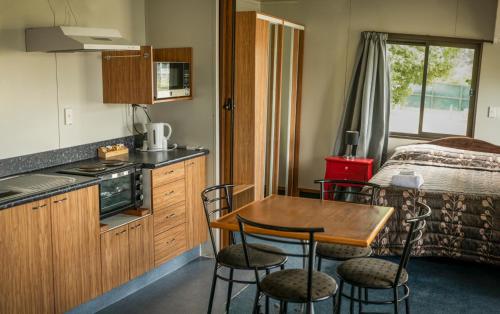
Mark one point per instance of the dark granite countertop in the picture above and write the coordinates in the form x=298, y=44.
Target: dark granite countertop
x=160, y=159
x=146, y=159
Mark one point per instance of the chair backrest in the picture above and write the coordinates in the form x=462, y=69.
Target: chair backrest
x=415, y=233
x=246, y=227
x=330, y=188
x=217, y=200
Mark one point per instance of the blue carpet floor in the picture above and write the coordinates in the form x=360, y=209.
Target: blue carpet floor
x=437, y=286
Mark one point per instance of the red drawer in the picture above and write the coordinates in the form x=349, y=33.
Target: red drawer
x=348, y=167
x=359, y=175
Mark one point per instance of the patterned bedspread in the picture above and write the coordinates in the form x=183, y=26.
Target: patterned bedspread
x=463, y=190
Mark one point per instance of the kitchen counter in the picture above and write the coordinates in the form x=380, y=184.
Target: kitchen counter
x=146, y=159
x=79, y=183
x=159, y=159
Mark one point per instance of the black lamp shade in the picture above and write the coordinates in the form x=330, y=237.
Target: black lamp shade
x=351, y=137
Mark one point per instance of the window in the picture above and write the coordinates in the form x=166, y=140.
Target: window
x=433, y=86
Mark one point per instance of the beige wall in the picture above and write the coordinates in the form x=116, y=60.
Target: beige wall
x=331, y=39
x=248, y=5
x=193, y=24
x=36, y=87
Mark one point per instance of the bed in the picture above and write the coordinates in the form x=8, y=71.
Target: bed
x=461, y=185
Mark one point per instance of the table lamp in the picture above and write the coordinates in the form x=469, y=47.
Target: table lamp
x=351, y=140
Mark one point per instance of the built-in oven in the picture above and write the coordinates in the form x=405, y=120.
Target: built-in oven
x=172, y=79
x=120, y=190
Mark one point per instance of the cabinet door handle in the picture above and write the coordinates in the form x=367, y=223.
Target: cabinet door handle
x=170, y=172
x=169, y=193
x=171, y=241
x=61, y=200
x=38, y=207
x=346, y=168
x=170, y=216
x=191, y=163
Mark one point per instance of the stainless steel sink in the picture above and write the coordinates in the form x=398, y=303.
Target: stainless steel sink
x=16, y=186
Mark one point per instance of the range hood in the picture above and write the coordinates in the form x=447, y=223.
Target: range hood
x=72, y=38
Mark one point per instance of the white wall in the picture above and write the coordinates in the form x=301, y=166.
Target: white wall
x=193, y=24
x=36, y=87
x=331, y=38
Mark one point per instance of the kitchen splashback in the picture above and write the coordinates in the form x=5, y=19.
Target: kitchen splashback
x=32, y=162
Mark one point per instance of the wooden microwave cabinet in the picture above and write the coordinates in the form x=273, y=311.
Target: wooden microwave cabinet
x=54, y=256
x=127, y=76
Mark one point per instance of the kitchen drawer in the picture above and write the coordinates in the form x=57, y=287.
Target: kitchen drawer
x=169, y=194
x=167, y=218
x=169, y=244
x=168, y=174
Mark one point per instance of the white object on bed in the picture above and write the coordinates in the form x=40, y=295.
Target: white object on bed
x=407, y=179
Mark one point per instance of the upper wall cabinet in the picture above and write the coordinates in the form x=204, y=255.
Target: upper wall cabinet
x=129, y=77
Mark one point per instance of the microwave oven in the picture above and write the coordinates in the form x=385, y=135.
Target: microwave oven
x=171, y=79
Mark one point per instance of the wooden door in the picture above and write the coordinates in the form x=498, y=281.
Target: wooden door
x=196, y=223
x=76, y=249
x=115, y=258
x=26, y=274
x=140, y=235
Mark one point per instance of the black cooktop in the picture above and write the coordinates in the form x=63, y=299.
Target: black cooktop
x=96, y=168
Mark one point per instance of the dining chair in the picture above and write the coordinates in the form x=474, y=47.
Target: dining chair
x=304, y=286
x=375, y=273
x=330, y=189
x=217, y=200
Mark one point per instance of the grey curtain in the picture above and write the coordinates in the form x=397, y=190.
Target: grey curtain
x=368, y=101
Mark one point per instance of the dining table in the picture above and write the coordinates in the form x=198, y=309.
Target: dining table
x=343, y=222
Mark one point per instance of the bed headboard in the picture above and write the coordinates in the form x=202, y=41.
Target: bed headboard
x=467, y=143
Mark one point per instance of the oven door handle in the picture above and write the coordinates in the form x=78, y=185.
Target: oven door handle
x=117, y=175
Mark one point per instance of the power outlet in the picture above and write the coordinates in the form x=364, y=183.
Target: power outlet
x=492, y=112
x=68, y=116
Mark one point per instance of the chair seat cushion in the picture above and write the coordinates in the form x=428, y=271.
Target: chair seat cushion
x=234, y=256
x=291, y=285
x=342, y=252
x=371, y=272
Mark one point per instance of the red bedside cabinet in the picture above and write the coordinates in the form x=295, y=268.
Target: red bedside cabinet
x=339, y=168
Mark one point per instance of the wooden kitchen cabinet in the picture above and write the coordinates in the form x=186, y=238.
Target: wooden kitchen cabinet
x=76, y=247
x=115, y=258
x=197, y=229
x=140, y=235
x=127, y=76
x=126, y=252
x=26, y=274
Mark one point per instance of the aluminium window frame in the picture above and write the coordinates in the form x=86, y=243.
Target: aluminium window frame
x=428, y=41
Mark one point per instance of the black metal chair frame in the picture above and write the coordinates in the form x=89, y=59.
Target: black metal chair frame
x=209, y=214
x=336, y=183
x=310, y=254
x=415, y=233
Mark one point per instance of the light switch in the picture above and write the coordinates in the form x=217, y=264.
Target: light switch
x=492, y=112
x=68, y=116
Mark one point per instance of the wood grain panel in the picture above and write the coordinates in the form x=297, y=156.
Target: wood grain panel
x=170, y=244
x=344, y=223
x=169, y=217
x=26, y=273
x=115, y=258
x=127, y=76
x=167, y=174
x=196, y=226
x=244, y=114
x=262, y=34
x=169, y=194
x=76, y=247
x=140, y=235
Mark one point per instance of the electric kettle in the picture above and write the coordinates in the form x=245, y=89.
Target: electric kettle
x=157, y=140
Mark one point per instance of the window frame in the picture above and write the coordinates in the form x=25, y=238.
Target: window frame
x=428, y=41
